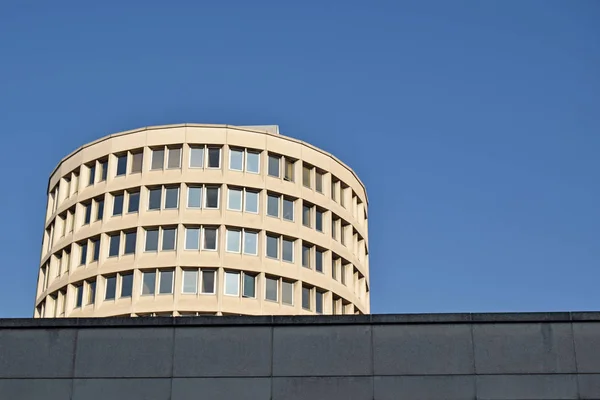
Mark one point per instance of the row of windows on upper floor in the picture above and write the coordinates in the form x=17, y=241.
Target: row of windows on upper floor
x=123, y=244
x=205, y=197
x=194, y=282
x=244, y=160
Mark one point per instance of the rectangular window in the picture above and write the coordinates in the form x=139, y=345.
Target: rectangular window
x=111, y=288
x=99, y=209
x=319, y=260
x=103, y=170
x=171, y=198
x=233, y=240
x=272, y=246
x=197, y=157
x=288, y=209
x=287, y=293
x=91, y=292
x=78, y=295
x=234, y=199
x=334, y=268
x=151, y=240
x=126, y=285
x=169, y=236
x=288, y=250
x=154, y=198
x=88, y=214
x=121, y=165
x=148, y=282
x=134, y=202
x=118, y=204
x=113, y=248
x=319, y=302
x=272, y=205
x=208, y=282
x=252, y=162
x=212, y=197
x=96, y=249
x=271, y=289
x=174, y=158
x=130, y=242
x=249, y=286
x=305, y=255
x=306, y=176
x=83, y=253
x=289, y=170
x=319, y=182
x=192, y=238
x=165, y=285
x=190, y=281
x=232, y=283
x=305, y=298
x=92, y=174
x=274, y=162
x=251, y=202
x=250, y=243
x=333, y=228
x=319, y=220
x=236, y=159
x=158, y=159
x=214, y=157
x=343, y=274
x=333, y=189
x=306, y=215
x=210, y=239
x=137, y=162
x=194, y=197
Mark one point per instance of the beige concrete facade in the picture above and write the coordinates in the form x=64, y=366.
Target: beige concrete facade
x=203, y=219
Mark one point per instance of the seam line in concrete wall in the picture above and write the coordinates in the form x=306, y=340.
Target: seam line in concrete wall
x=74, y=362
x=172, y=364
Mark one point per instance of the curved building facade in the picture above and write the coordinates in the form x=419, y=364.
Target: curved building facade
x=192, y=219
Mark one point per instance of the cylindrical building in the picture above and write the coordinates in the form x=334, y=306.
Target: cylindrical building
x=194, y=219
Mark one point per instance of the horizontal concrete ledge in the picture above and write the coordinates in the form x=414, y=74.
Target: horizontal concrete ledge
x=381, y=319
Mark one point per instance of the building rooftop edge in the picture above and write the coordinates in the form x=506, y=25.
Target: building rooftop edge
x=375, y=319
x=265, y=129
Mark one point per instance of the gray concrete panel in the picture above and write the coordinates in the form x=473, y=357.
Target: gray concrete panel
x=330, y=388
x=322, y=350
x=221, y=389
x=424, y=387
x=589, y=386
x=534, y=348
x=527, y=387
x=39, y=353
x=122, y=389
x=35, y=389
x=222, y=351
x=587, y=346
x=443, y=349
x=124, y=352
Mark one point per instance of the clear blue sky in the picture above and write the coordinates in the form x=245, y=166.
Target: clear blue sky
x=474, y=125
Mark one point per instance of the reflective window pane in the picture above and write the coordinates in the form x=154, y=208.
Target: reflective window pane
x=126, y=285
x=305, y=256
x=252, y=162
x=273, y=205
x=208, y=282
x=197, y=157
x=154, y=199
x=319, y=260
x=166, y=282
x=192, y=238
x=96, y=249
x=151, y=240
x=118, y=204
x=103, y=170
x=134, y=202
x=115, y=241
x=92, y=174
x=236, y=159
x=234, y=199
x=168, y=239
x=233, y=240
x=158, y=159
x=212, y=197
x=274, y=166
x=194, y=197
x=319, y=221
x=172, y=198
x=232, y=283
x=250, y=242
x=121, y=165
x=319, y=302
x=271, y=289
x=306, y=176
x=306, y=215
x=319, y=182
x=88, y=214
x=148, y=282
x=78, y=296
x=305, y=298
x=137, y=162
x=174, y=158
x=99, y=209
x=272, y=246
x=130, y=242
x=287, y=293
x=251, y=203
x=190, y=281
x=288, y=250
x=249, y=286
x=288, y=209
x=111, y=288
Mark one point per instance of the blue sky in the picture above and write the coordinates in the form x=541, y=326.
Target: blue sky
x=474, y=125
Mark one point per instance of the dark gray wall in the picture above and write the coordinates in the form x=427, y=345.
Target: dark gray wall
x=445, y=356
